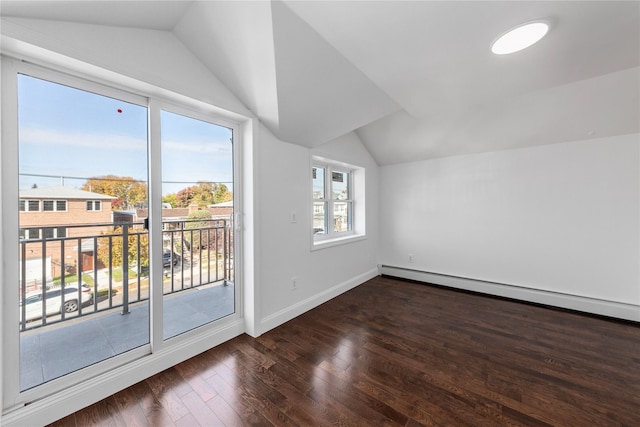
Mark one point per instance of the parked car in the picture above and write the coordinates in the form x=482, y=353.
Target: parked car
x=53, y=301
x=168, y=257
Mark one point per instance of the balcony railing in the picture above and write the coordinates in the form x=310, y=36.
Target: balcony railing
x=111, y=264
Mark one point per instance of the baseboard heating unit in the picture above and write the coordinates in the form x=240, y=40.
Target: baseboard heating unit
x=556, y=299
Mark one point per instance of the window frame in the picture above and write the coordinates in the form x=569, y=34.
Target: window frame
x=54, y=232
x=55, y=205
x=93, y=204
x=355, y=200
x=31, y=233
x=30, y=202
x=24, y=205
x=330, y=201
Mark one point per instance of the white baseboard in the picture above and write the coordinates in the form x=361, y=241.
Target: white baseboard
x=278, y=318
x=72, y=399
x=555, y=299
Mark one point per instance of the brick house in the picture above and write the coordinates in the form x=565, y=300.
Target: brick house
x=52, y=222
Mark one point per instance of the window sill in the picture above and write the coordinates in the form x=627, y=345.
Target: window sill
x=336, y=241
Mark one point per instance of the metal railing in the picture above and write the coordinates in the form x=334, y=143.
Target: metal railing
x=113, y=261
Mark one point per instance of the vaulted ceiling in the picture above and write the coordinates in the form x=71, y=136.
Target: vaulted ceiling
x=415, y=79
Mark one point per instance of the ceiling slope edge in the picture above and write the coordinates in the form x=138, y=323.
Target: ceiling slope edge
x=321, y=95
x=234, y=40
x=125, y=51
x=598, y=107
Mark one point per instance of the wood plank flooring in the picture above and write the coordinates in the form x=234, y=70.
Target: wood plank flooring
x=393, y=352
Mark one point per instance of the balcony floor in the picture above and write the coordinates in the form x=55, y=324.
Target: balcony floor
x=51, y=352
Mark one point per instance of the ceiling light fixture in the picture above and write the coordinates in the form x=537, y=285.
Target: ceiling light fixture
x=520, y=37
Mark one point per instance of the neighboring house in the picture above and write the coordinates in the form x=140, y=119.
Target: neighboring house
x=174, y=218
x=218, y=211
x=52, y=215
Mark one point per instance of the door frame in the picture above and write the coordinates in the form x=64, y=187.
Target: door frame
x=58, y=397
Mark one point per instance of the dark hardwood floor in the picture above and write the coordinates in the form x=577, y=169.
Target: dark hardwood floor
x=393, y=352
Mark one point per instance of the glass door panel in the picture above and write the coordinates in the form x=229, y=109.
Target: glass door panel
x=197, y=217
x=83, y=252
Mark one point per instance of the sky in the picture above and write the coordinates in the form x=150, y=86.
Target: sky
x=72, y=135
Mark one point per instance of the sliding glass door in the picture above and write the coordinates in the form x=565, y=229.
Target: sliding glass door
x=83, y=250
x=118, y=227
x=197, y=240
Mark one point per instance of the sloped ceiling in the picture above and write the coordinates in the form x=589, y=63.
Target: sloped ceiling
x=415, y=80
x=300, y=86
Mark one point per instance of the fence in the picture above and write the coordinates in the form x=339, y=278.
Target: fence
x=80, y=270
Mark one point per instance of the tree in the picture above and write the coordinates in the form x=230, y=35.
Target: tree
x=194, y=236
x=184, y=197
x=171, y=198
x=202, y=194
x=222, y=194
x=141, y=258
x=129, y=192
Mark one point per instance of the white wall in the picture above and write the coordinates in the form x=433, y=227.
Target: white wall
x=285, y=247
x=561, y=218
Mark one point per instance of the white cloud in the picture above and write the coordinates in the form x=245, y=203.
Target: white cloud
x=199, y=146
x=49, y=137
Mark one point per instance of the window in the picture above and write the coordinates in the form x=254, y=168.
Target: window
x=320, y=219
x=94, y=205
x=333, y=205
x=69, y=112
x=29, y=206
x=54, y=232
x=33, y=299
x=198, y=165
x=54, y=205
x=335, y=195
x=31, y=233
x=49, y=233
x=56, y=293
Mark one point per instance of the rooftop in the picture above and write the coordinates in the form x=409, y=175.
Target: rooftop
x=61, y=192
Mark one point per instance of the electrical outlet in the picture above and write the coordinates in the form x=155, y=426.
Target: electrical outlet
x=294, y=283
x=410, y=258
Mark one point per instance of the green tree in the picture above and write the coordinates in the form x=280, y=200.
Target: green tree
x=116, y=237
x=129, y=192
x=222, y=194
x=202, y=194
x=197, y=220
x=171, y=198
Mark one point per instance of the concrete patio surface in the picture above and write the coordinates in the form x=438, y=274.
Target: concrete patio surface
x=51, y=352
